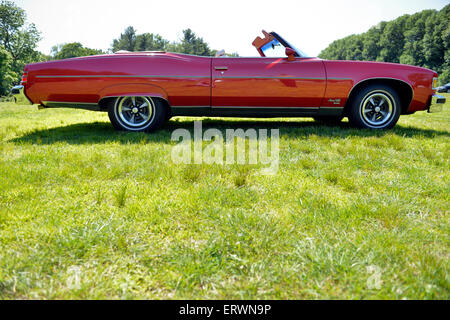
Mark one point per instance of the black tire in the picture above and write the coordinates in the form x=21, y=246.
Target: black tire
x=168, y=115
x=375, y=107
x=145, y=115
x=328, y=120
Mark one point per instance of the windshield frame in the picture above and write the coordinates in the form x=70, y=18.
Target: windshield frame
x=298, y=53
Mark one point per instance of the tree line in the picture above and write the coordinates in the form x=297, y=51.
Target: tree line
x=421, y=39
x=131, y=41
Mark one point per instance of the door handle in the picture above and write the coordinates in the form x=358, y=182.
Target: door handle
x=218, y=68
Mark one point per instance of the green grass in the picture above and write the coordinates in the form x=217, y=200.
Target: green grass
x=87, y=212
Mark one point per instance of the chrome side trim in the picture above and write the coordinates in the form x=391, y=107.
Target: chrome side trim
x=263, y=77
x=117, y=76
x=187, y=77
x=18, y=93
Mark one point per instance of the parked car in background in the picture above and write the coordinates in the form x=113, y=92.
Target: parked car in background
x=444, y=89
x=141, y=90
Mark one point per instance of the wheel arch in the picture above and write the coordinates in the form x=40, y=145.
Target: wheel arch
x=105, y=101
x=129, y=90
x=403, y=89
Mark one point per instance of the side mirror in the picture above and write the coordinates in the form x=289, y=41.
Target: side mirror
x=290, y=54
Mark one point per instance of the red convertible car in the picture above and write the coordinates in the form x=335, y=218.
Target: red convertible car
x=142, y=90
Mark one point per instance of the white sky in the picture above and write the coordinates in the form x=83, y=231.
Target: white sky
x=225, y=24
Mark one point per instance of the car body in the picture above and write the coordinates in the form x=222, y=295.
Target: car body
x=141, y=90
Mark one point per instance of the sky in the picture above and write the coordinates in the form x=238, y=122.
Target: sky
x=231, y=25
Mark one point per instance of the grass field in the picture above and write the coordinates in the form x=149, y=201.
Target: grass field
x=88, y=212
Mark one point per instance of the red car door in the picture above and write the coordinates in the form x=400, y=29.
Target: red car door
x=267, y=83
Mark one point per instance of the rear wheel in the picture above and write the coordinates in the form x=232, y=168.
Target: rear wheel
x=375, y=107
x=136, y=113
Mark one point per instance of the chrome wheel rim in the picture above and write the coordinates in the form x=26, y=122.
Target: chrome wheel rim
x=377, y=109
x=135, y=111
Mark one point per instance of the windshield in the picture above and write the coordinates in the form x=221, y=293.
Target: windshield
x=277, y=48
x=274, y=49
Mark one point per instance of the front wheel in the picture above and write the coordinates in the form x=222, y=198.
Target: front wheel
x=136, y=113
x=375, y=107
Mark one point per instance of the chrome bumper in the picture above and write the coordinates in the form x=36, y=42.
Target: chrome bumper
x=437, y=102
x=18, y=93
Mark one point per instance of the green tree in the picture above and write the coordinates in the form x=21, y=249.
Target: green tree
x=414, y=32
x=189, y=44
x=72, y=50
x=126, y=41
x=192, y=44
x=391, y=42
x=7, y=76
x=17, y=38
x=150, y=42
x=445, y=76
x=370, y=44
x=422, y=39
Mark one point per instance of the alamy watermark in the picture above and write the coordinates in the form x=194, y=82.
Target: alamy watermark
x=231, y=149
x=374, y=281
